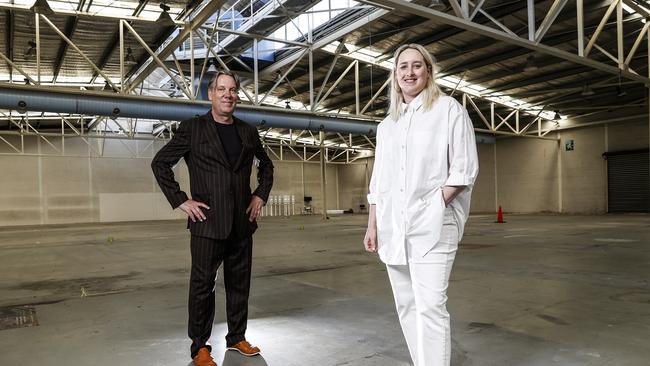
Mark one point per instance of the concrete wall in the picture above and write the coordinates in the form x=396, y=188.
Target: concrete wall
x=300, y=179
x=527, y=172
x=519, y=174
x=79, y=187
x=483, y=196
x=584, y=171
x=535, y=175
x=43, y=187
x=353, y=185
x=541, y=175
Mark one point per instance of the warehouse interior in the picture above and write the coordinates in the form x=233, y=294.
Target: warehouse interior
x=94, y=262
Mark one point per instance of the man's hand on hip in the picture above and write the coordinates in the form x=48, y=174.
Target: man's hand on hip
x=254, y=209
x=193, y=209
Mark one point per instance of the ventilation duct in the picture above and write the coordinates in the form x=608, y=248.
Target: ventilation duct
x=31, y=98
x=24, y=98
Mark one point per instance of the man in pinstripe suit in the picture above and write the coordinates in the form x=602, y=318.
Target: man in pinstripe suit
x=219, y=150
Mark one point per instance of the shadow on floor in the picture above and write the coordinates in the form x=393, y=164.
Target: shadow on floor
x=236, y=359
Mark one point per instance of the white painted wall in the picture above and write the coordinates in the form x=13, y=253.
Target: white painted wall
x=43, y=188
x=519, y=174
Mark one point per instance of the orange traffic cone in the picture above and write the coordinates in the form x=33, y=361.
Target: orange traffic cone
x=500, y=216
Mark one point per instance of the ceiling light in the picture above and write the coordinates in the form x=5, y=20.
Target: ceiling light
x=587, y=90
x=437, y=5
x=211, y=68
x=30, y=52
x=341, y=48
x=165, y=19
x=129, y=59
x=530, y=65
x=41, y=7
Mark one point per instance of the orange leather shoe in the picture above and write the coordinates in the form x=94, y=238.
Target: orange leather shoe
x=245, y=348
x=203, y=358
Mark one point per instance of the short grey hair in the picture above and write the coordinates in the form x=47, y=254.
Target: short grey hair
x=215, y=76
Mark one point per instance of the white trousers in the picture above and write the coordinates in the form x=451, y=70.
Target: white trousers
x=420, y=290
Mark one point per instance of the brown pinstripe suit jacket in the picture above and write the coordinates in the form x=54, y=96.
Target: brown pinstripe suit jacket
x=213, y=181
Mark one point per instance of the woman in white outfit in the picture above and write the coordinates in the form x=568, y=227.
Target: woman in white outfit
x=424, y=171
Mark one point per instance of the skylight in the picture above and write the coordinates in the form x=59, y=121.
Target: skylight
x=630, y=10
x=320, y=14
x=452, y=82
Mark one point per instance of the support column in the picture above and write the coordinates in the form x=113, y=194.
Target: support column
x=256, y=80
x=192, y=71
x=323, y=181
x=581, y=28
x=312, y=106
x=531, y=20
x=302, y=175
x=38, y=46
x=496, y=180
x=605, y=176
x=338, y=193
x=619, y=35
x=122, y=89
x=560, y=204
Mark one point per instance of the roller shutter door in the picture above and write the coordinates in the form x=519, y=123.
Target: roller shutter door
x=628, y=185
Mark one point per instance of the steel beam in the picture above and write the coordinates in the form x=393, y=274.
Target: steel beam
x=580, y=16
x=531, y=20
x=325, y=40
x=600, y=27
x=69, y=42
x=637, y=42
x=504, y=37
x=477, y=7
x=82, y=14
x=70, y=27
x=115, y=41
x=496, y=22
x=196, y=22
x=555, y=10
x=501, y=11
x=323, y=172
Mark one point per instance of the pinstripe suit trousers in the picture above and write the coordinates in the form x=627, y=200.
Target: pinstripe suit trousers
x=207, y=256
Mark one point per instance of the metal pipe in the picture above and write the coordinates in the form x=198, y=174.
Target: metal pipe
x=29, y=98
x=24, y=98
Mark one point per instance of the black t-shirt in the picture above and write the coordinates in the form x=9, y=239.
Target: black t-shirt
x=230, y=140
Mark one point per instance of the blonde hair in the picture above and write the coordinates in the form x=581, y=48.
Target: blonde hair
x=431, y=91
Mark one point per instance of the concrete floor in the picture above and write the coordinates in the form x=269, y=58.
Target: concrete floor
x=539, y=290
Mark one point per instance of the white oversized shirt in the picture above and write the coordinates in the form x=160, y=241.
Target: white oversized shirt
x=414, y=158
